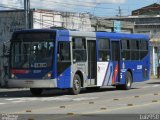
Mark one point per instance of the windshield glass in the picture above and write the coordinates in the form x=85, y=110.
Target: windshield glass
x=32, y=54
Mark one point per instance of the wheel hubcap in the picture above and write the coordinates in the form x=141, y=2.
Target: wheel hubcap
x=129, y=82
x=76, y=84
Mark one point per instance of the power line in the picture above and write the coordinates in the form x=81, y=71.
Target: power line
x=71, y=4
x=92, y=7
x=10, y=7
x=95, y=3
x=68, y=5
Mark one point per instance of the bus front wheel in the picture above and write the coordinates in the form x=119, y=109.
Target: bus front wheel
x=36, y=91
x=76, y=88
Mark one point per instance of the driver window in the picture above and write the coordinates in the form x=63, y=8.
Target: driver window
x=63, y=51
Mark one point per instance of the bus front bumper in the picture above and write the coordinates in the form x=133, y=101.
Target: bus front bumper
x=20, y=83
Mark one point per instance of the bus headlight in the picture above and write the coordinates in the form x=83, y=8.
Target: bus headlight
x=47, y=76
x=13, y=76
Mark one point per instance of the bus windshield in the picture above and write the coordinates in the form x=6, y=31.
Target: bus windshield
x=28, y=54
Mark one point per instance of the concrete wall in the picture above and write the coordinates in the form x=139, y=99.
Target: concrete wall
x=9, y=22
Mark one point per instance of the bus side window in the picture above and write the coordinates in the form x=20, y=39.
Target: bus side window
x=79, y=49
x=103, y=50
x=143, y=48
x=125, y=49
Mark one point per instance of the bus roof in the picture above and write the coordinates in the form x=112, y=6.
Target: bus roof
x=122, y=35
x=89, y=34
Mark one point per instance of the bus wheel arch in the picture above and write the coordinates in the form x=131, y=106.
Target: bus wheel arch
x=81, y=77
x=77, y=83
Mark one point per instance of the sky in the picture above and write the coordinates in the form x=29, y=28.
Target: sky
x=95, y=7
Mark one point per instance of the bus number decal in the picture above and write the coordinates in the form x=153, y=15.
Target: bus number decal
x=37, y=71
x=139, y=67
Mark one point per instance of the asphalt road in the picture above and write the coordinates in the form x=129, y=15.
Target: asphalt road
x=142, y=99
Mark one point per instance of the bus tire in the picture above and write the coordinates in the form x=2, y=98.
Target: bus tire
x=36, y=91
x=93, y=88
x=76, y=88
x=119, y=87
x=128, y=82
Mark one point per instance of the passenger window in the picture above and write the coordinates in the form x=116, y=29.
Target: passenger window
x=125, y=44
x=143, y=48
x=79, y=49
x=143, y=45
x=103, y=50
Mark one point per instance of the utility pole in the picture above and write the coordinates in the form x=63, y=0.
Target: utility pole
x=120, y=11
x=27, y=10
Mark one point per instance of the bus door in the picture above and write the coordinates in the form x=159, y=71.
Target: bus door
x=116, y=61
x=92, y=62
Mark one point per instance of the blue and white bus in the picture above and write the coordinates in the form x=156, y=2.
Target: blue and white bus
x=64, y=59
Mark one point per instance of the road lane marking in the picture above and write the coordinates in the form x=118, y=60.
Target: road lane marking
x=150, y=86
x=156, y=85
x=51, y=99
x=85, y=98
x=11, y=99
x=3, y=103
x=17, y=101
x=146, y=87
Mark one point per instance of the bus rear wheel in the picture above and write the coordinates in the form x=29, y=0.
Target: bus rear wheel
x=128, y=82
x=76, y=88
x=36, y=91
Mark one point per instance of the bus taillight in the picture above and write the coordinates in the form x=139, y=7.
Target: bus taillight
x=15, y=71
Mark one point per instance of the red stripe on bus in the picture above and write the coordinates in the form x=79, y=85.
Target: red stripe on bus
x=14, y=71
x=115, y=74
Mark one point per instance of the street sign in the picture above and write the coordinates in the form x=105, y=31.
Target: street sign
x=117, y=26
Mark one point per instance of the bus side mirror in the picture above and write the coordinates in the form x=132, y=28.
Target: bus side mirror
x=58, y=57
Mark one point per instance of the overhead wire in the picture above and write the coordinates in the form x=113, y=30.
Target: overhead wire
x=68, y=5
x=92, y=8
x=10, y=7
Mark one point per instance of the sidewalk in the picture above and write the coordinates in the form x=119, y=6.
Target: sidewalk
x=12, y=89
x=153, y=77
